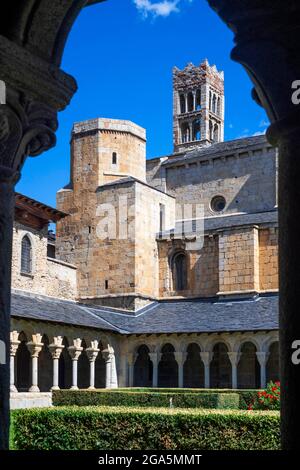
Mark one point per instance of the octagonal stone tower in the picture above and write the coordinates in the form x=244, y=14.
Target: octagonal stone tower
x=198, y=106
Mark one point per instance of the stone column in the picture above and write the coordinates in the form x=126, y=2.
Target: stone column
x=206, y=358
x=75, y=352
x=262, y=358
x=131, y=358
x=14, y=344
x=107, y=355
x=194, y=101
x=180, y=359
x=92, y=353
x=155, y=358
x=234, y=358
x=35, y=347
x=56, y=348
x=186, y=102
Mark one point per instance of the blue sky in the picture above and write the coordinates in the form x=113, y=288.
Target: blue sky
x=121, y=53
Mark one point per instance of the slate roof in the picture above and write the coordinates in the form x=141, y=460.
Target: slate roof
x=219, y=148
x=172, y=316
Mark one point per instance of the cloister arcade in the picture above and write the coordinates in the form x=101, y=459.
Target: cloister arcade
x=46, y=357
x=205, y=361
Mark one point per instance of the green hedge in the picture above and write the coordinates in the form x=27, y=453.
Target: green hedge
x=88, y=428
x=145, y=399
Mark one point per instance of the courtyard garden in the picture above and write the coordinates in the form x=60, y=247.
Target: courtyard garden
x=152, y=419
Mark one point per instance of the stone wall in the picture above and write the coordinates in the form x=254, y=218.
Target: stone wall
x=268, y=258
x=239, y=260
x=48, y=276
x=202, y=272
x=247, y=181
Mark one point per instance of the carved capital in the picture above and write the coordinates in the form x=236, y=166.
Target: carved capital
x=76, y=349
x=92, y=354
x=56, y=347
x=27, y=128
x=34, y=348
x=266, y=29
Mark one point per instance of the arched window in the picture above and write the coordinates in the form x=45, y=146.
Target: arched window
x=179, y=271
x=214, y=104
x=185, y=133
x=196, y=130
x=190, y=102
x=211, y=131
x=219, y=107
x=26, y=255
x=182, y=104
x=198, y=99
x=216, y=133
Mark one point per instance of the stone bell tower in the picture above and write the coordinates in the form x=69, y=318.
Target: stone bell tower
x=198, y=106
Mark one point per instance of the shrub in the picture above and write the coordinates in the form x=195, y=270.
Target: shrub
x=268, y=399
x=145, y=399
x=117, y=428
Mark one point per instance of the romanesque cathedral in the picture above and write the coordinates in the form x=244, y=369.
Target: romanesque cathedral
x=162, y=272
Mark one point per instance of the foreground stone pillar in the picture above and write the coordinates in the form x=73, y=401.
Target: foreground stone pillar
x=75, y=352
x=234, y=358
x=14, y=344
x=180, y=359
x=262, y=358
x=206, y=358
x=155, y=358
x=35, y=347
x=92, y=354
x=56, y=348
x=267, y=38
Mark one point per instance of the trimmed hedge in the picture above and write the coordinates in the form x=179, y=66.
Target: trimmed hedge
x=88, y=428
x=206, y=399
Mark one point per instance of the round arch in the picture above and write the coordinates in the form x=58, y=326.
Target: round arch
x=83, y=368
x=168, y=367
x=220, y=367
x=23, y=365
x=143, y=368
x=45, y=367
x=65, y=367
x=193, y=368
x=272, y=367
x=248, y=368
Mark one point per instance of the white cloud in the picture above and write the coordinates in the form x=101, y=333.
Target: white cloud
x=158, y=8
x=264, y=123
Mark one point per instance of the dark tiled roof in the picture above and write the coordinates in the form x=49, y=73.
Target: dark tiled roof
x=176, y=316
x=219, y=148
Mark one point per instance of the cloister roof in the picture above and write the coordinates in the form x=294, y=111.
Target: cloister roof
x=256, y=313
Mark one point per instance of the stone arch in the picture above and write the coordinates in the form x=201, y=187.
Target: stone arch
x=26, y=255
x=193, y=368
x=100, y=368
x=220, y=367
x=83, y=367
x=211, y=131
x=179, y=267
x=214, y=104
x=272, y=367
x=143, y=368
x=185, y=132
x=182, y=104
x=23, y=365
x=45, y=366
x=65, y=366
x=198, y=99
x=216, y=133
x=197, y=129
x=248, y=368
x=168, y=367
x=219, y=106
x=190, y=101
